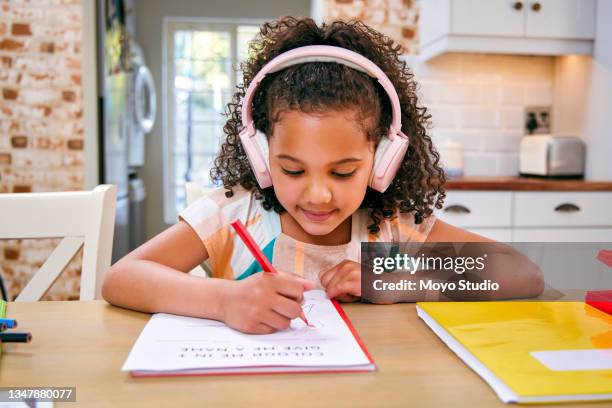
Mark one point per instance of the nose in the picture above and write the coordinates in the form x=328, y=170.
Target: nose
x=317, y=192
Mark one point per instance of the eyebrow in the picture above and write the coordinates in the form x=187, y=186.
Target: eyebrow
x=342, y=161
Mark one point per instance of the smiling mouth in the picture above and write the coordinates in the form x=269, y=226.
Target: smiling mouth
x=317, y=216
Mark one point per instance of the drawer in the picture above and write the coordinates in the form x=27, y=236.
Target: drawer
x=563, y=209
x=477, y=209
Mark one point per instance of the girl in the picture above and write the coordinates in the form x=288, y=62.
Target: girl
x=312, y=196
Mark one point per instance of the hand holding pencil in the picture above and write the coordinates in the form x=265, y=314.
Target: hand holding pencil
x=263, y=302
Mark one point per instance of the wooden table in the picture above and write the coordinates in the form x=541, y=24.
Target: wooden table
x=84, y=345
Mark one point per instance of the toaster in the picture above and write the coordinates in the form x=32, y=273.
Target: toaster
x=552, y=156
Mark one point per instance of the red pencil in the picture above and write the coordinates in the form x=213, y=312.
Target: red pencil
x=261, y=259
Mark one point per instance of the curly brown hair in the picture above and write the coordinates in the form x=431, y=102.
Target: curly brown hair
x=315, y=87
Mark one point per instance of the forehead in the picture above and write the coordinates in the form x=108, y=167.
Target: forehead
x=329, y=136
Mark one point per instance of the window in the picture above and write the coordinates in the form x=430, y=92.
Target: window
x=202, y=62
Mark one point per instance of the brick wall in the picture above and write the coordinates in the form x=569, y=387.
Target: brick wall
x=475, y=99
x=41, y=132
x=396, y=18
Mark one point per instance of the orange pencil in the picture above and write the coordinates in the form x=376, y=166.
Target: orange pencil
x=261, y=259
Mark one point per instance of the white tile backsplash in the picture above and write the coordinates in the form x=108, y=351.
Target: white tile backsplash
x=479, y=100
x=539, y=95
x=479, y=164
x=513, y=95
x=444, y=117
x=445, y=67
x=491, y=94
x=507, y=163
x=458, y=93
x=471, y=140
x=479, y=117
x=513, y=118
x=501, y=142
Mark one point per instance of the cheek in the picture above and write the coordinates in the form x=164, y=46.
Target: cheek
x=285, y=190
x=360, y=186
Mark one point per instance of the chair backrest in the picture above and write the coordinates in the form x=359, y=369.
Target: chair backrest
x=82, y=218
x=193, y=191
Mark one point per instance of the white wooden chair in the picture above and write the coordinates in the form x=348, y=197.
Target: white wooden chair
x=82, y=218
x=193, y=191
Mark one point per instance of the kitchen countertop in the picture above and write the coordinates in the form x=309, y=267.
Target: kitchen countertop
x=525, y=184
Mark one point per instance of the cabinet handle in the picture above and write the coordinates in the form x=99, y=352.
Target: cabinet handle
x=457, y=209
x=567, y=208
x=518, y=5
x=536, y=6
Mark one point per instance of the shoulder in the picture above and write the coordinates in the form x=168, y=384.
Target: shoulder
x=216, y=199
x=214, y=209
x=443, y=232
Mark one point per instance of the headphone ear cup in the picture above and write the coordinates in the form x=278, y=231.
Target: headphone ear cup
x=387, y=160
x=256, y=148
x=262, y=142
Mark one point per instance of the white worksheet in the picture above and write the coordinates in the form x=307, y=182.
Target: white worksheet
x=174, y=345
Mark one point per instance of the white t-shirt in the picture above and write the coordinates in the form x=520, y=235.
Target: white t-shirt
x=229, y=258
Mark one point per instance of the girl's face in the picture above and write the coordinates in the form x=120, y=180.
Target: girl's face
x=320, y=166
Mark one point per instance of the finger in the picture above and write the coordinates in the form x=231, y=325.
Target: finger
x=307, y=284
x=347, y=286
x=347, y=298
x=261, y=328
x=275, y=320
x=286, y=307
x=327, y=275
x=332, y=285
x=290, y=274
x=291, y=286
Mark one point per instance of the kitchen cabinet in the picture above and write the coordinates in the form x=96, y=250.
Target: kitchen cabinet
x=564, y=19
x=478, y=209
x=532, y=216
x=562, y=209
x=544, y=27
x=569, y=221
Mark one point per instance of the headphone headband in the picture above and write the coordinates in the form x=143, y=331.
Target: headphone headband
x=390, y=150
x=323, y=53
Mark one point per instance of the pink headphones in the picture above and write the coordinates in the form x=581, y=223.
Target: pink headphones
x=390, y=151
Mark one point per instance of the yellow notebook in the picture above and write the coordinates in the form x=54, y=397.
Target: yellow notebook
x=530, y=352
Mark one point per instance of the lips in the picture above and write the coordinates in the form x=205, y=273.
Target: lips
x=317, y=216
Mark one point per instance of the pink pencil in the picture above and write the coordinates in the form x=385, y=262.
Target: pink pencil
x=261, y=259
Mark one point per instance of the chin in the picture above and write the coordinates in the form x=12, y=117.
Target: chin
x=315, y=228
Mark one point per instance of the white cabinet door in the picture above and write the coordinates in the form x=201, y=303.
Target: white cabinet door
x=477, y=209
x=560, y=19
x=434, y=21
x=563, y=209
x=488, y=17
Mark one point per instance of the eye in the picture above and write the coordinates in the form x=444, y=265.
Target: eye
x=344, y=175
x=292, y=173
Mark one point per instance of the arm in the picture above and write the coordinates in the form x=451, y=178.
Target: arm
x=153, y=278
x=517, y=276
